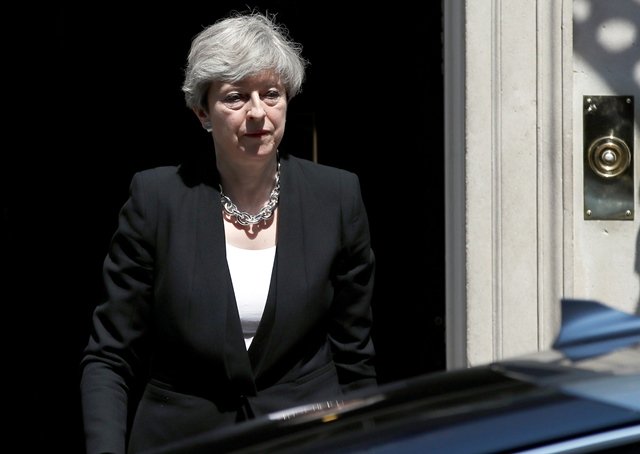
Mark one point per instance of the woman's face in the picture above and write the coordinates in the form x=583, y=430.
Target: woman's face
x=247, y=117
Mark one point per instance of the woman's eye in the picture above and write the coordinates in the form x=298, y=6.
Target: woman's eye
x=271, y=97
x=233, y=100
x=237, y=100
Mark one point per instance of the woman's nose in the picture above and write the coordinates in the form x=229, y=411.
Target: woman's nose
x=256, y=109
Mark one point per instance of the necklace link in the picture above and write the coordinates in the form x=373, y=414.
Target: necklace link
x=244, y=218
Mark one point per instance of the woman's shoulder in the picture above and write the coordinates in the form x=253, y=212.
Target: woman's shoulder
x=160, y=176
x=324, y=181
x=315, y=169
x=161, y=180
x=162, y=172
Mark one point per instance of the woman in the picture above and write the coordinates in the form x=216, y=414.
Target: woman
x=239, y=283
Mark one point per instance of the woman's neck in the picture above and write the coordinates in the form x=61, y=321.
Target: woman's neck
x=249, y=187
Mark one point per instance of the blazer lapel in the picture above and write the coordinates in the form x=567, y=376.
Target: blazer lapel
x=213, y=291
x=288, y=280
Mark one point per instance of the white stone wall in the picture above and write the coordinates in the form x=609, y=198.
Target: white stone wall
x=513, y=119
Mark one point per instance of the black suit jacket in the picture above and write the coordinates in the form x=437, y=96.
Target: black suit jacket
x=171, y=314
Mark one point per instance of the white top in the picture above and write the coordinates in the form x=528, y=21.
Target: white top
x=251, y=275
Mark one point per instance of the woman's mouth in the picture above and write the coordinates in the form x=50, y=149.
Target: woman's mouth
x=257, y=133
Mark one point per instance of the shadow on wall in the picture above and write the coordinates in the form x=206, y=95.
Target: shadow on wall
x=608, y=33
x=609, y=39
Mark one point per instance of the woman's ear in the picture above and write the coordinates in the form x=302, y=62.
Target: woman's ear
x=203, y=116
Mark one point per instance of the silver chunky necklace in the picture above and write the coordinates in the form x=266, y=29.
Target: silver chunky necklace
x=265, y=212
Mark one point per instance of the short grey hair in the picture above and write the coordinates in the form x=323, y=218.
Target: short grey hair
x=239, y=46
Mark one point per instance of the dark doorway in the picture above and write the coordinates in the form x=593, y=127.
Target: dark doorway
x=110, y=104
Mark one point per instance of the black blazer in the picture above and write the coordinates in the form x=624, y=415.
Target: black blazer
x=171, y=315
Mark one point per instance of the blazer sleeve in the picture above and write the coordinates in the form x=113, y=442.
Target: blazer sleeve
x=116, y=345
x=351, y=318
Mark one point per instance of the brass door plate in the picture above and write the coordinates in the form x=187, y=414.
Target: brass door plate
x=608, y=157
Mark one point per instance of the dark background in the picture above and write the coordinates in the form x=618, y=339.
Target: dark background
x=94, y=95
